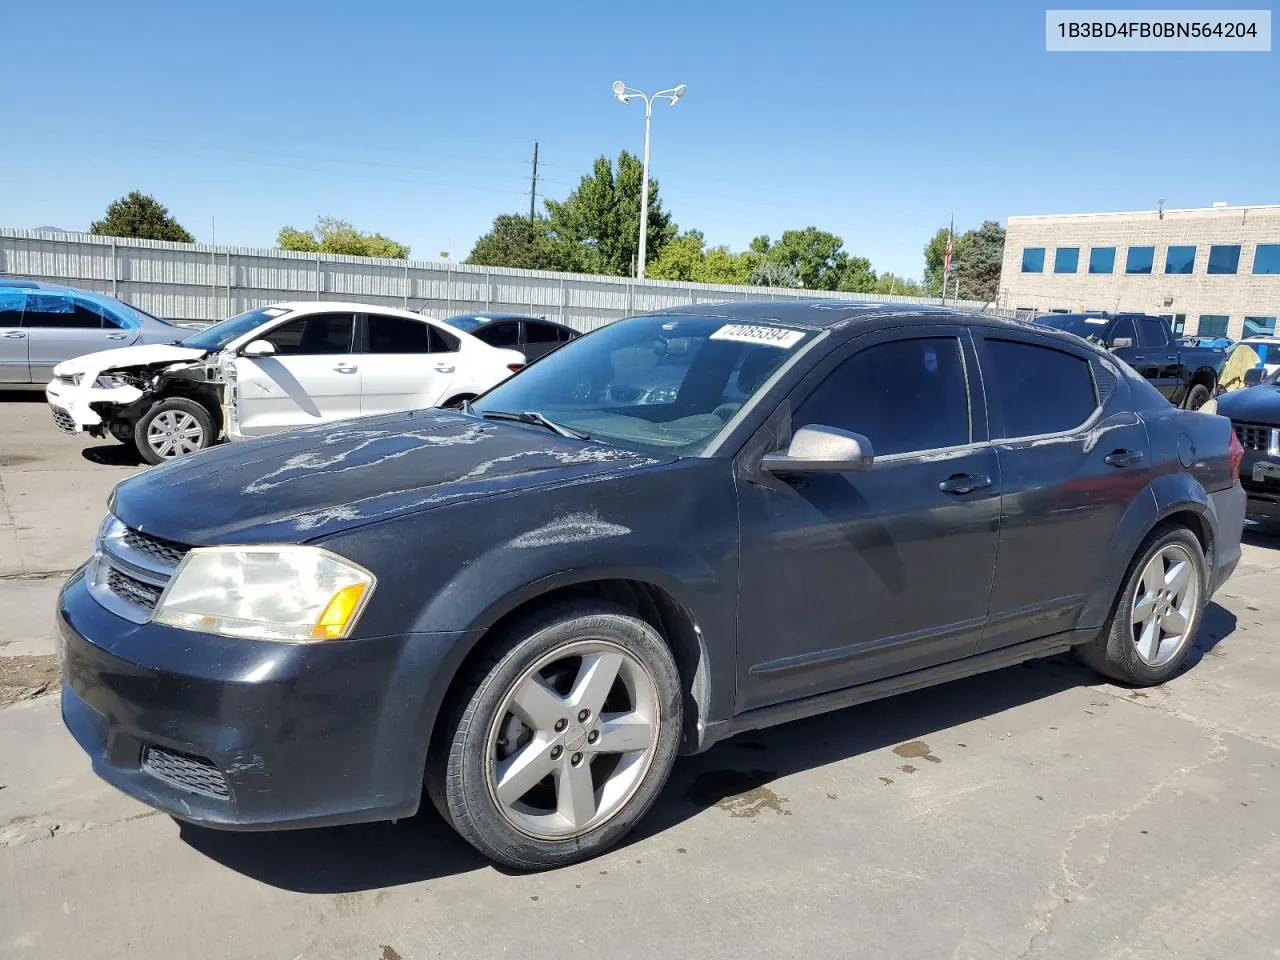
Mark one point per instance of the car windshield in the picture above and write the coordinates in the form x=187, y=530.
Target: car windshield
x=220, y=334
x=659, y=384
x=467, y=324
x=1089, y=328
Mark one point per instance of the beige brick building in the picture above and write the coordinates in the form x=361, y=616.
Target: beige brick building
x=1212, y=271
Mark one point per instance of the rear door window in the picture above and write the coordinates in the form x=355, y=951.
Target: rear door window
x=535, y=332
x=1036, y=389
x=500, y=333
x=1152, y=332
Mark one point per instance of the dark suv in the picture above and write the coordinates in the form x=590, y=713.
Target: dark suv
x=533, y=606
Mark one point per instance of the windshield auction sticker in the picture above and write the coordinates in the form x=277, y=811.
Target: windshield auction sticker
x=757, y=333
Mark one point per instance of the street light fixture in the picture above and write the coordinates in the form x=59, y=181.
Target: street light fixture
x=625, y=94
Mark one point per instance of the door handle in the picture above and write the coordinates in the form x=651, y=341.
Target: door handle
x=1138, y=357
x=115, y=336
x=346, y=368
x=1123, y=458
x=962, y=483
x=15, y=335
x=444, y=368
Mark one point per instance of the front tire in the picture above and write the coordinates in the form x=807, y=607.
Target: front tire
x=174, y=427
x=1198, y=396
x=1158, y=613
x=563, y=739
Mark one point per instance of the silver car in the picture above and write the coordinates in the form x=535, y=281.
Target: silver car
x=42, y=324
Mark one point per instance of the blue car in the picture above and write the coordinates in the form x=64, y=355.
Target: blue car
x=42, y=324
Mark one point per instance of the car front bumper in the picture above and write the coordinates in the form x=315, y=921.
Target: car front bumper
x=70, y=404
x=1260, y=474
x=248, y=735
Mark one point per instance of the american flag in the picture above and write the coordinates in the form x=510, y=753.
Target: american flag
x=946, y=260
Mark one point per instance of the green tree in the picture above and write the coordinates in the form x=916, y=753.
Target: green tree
x=980, y=267
x=339, y=236
x=935, y=252
x=140, y=215
x=857, y=276
x=817, y=259
x=515, y=241
x=597, y=226
x=888, y=283
x=774, y=273
x=723, y=266
x=681, y=259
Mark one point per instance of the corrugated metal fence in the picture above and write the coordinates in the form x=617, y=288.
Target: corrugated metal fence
x=192, y=281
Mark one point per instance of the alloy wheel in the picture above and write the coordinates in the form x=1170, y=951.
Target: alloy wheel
x=1164, y=605
x=572, y=740
x=174, y=433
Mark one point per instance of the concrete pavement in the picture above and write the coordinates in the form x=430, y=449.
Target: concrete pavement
x=1033, y=812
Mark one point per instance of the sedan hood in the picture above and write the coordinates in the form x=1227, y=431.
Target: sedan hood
x=125, y=357
x=313, y=482
x=1260, y=404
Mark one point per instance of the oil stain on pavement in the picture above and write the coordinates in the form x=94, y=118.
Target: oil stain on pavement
x=916, y=750
x=740, y=793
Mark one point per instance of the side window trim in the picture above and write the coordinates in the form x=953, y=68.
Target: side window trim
x=979, y=432
x=996, y=414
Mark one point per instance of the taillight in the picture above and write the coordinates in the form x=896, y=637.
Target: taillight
x=1235, y=453
x=515, y=367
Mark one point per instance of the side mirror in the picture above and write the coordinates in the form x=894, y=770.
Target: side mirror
x=1121, y=343
x=1253, y=376
x=819, y=449
x=259, y=348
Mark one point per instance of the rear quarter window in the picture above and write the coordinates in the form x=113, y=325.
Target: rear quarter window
x=1037, y=389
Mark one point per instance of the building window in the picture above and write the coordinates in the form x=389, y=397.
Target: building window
x=1259, y=326
x=1179, y=323
x=1212, y=325
x=1224, y=258
x=1033, y=259
x=1179, y=259
x=1102, y=260
x=1140, y=259
x=1066, y=260
x=1266, y=259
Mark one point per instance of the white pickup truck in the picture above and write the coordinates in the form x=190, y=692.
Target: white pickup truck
x=271, y=369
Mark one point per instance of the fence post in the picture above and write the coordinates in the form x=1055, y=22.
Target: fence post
x=317, y=276
x=562, y=299
x=115, y=272
x=488, y=290
x=230, y=310
x=406, y=284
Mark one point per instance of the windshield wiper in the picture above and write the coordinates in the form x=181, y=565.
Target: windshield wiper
x=538, y=420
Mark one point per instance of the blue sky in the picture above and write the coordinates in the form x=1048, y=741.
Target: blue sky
x=875, y=122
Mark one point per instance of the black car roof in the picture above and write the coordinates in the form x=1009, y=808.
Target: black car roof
x=837, y=314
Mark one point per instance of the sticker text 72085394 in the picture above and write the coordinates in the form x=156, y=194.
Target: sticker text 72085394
x=758, y=333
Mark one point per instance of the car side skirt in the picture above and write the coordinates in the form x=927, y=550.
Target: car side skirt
x=863, y=693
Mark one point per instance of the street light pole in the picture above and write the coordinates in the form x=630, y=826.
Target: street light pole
x=625, y=94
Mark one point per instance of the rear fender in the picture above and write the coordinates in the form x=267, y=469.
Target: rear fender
x=1166, y=495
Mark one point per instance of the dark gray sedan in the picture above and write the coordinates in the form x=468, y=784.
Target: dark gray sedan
x=532, y=606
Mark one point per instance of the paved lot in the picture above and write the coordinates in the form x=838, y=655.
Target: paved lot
x=1034, y=812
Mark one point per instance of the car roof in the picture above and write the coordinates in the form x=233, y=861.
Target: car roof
x=505, y=316
x=838, y=314
x=89, y=296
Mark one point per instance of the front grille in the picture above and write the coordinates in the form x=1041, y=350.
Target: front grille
x=1253, y=436
x=182, y=770
x=162, y=551
x=62, y=420
x=131, y=590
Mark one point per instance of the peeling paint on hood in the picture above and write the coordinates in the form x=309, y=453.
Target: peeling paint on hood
x=313, y=482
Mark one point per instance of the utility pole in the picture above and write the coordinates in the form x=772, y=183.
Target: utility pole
x=533, y=184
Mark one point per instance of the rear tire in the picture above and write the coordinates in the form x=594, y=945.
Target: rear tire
x=1154, y=623
x=174, y=427
x=1198, y=396
x=562, y=738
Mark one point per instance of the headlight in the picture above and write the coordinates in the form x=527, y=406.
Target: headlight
x=109, y=382
x=295, y=594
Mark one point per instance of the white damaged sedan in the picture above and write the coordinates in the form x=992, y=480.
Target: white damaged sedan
x=271, y=369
